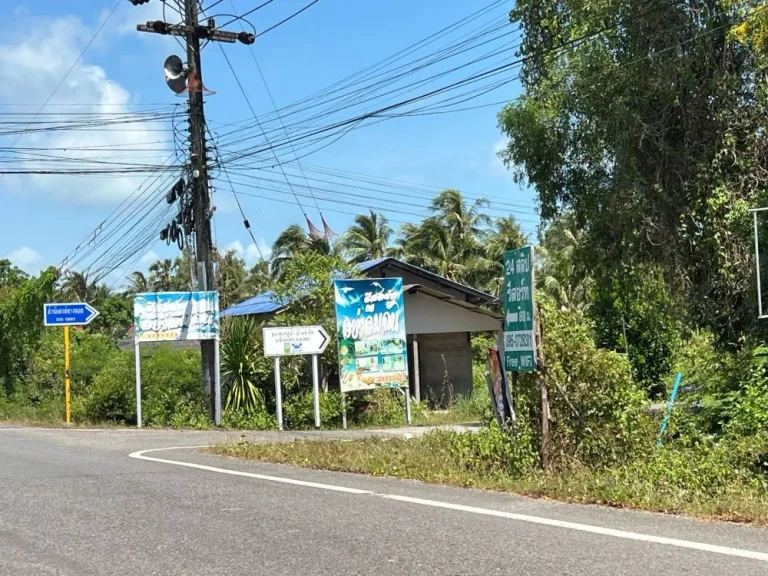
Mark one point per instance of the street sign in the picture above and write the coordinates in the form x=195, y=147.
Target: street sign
x=519, y=337
x=295, y=341
x=72, y=314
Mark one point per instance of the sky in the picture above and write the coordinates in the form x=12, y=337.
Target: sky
x=45, y=218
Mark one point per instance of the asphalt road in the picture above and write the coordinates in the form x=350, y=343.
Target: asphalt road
x=73, y=502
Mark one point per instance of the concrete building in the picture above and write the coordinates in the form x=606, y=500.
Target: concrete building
x=440, y=315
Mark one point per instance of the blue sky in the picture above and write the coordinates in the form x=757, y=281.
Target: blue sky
x=45, y=217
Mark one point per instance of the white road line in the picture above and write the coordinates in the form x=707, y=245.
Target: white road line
x=689, y=544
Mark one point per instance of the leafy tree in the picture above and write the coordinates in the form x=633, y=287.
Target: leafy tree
x=232, y=279
x=258, y=280
x=656, y=172
x=368, y=238
x=10, y=276
x=20, y=325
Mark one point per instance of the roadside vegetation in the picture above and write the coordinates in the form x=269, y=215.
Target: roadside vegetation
x=645, y=269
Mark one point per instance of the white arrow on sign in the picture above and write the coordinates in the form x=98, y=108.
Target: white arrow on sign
x=295, y=340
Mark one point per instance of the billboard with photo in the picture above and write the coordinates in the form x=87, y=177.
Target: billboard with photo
x=370, y=325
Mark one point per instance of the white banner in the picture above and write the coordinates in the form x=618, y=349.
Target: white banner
x=164, y=316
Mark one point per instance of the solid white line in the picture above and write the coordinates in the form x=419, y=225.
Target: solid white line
x=140, y=456
x=689, y=544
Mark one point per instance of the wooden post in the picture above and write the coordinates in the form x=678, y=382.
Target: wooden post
x=540, y=374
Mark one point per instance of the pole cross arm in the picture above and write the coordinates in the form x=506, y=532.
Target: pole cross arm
x=160, y=27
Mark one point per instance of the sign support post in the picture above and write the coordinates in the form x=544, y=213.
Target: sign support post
x=217, y=385
x=138, y=385
x=67, y=398
x=343, y=410
x=316, y=390
x=407, y=404
x=278, y=394
x=66, y=315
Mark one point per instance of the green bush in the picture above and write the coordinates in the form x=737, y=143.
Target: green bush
x=598, y=415
x=489, y=451
x=171, y=390
x=299, y=410
x=252, y=420
x=112, y=397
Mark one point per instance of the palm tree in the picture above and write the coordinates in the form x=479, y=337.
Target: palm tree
x=161, y=275
x=368, y=238
x=77, y=286
x=292, y=241
x=561, y=276
x=99, y=293
x=449, y=242
x=138, y=283
x=505, y=236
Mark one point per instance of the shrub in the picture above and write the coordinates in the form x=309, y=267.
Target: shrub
x=253, y=420
x=112, y=397
x=299, y=410
x=598, y=414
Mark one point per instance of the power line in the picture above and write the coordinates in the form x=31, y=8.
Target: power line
x=248, y=101
x=71, y=68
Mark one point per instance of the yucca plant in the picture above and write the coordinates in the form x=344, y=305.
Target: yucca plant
x=240, y=357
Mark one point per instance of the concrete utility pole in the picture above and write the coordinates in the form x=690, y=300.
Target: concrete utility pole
x=193, y=32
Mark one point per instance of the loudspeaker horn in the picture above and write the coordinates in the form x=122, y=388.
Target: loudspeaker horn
x=176, y=73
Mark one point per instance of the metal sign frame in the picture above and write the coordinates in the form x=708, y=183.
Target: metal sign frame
x=760, y=315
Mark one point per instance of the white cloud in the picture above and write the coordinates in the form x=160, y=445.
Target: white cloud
x=149, y=258
x=25, y=258
x=497, y=164
x=32, y=62
x=251, y=253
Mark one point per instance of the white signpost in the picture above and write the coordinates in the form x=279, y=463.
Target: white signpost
x=296, y=341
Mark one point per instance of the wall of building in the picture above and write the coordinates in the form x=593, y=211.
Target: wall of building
x=425, y=314
x=455, y=348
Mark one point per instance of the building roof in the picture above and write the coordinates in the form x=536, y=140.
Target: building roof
x=266, y=302
x=371, y=265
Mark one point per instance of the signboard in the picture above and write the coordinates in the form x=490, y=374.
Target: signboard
x=72, y=314
x=519, y=338
x=295, y=340
x=164, y=316
x=370, y=326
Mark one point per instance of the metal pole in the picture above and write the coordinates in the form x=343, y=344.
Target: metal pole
x=757, y=269
x=416, y=371
x=670, y=405
x=343, y=410
x=217, y=371
x=138, y=386
x=407, y=405
x=278, y=394
x=316, y=389
x=67, y=399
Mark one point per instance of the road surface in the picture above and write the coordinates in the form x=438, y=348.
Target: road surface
x=72, y=502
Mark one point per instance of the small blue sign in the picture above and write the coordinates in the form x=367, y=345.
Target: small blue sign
x=72, y=314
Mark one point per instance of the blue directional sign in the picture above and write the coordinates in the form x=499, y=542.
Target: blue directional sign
x=72, y=314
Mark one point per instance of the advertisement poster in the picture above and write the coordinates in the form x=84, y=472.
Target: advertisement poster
x=519, y=299
x=164, y=316
x=498, y=386
x=370, y=325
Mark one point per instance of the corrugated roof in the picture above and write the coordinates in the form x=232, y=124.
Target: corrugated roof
x=436, y=277
x=265, y=303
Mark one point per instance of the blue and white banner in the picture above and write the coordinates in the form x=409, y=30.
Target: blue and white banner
x=164, y=316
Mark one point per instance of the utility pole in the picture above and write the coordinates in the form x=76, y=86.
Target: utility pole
x=198, y=163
